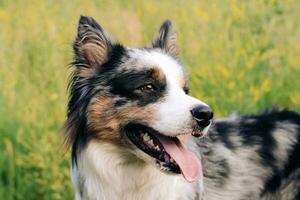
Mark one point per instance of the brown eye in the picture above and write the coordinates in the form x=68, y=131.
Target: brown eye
x=148, y=87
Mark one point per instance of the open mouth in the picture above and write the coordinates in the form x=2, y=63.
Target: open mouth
x=169, y=153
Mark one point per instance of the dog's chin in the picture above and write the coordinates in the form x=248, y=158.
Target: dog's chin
x=149, y=148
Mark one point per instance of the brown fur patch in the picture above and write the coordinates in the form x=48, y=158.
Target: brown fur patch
x=105, y=121
x=95, y=53
x=183, y=82
x=84, y=72
x=158, y=74
x=102, y=119
x=171, y=46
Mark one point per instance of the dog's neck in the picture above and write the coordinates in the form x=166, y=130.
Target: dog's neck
x=104, y=171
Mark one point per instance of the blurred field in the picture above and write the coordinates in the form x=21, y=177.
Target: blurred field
x=241, y=56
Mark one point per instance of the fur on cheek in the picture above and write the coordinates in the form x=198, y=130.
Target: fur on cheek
x=105, y=122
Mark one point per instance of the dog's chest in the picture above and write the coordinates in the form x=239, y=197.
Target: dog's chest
x=109, y=178
x=140, y=188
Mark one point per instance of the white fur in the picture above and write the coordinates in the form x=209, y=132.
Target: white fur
x=112, y=174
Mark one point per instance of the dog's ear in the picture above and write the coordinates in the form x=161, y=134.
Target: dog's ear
x=166, y=39
x=91, y=46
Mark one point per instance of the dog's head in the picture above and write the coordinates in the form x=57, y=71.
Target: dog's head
x=136, y=98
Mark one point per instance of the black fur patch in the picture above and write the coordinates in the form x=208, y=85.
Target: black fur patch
x=80, y=95
x=226, y=128
x=293, y=162
x=127, y=85
x=115, y=56
x=297, y=196
x=275, y=182
x=120, y=103
x=219, y=169
x=221, y=172
x=257, y=130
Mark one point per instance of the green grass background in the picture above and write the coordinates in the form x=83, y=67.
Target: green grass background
x=241, y=56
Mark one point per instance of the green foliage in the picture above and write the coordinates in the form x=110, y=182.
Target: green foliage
x=241, y=56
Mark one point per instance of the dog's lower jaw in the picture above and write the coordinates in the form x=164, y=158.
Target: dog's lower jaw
x=104, y=172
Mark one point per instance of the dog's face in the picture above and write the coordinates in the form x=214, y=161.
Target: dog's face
x=134, y=97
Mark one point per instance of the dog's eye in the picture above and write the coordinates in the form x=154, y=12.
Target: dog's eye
x=148, y=87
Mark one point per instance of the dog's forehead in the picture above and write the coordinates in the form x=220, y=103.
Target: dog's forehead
x=171, y=68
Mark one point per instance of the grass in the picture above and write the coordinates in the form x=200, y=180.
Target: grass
x=241, y=56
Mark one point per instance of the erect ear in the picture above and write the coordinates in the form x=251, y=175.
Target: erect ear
x=166, y=39
x=91, y=46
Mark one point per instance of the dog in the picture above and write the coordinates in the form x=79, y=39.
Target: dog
x=135, y=133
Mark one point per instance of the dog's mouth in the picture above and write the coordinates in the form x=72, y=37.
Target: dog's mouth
x=169, y=154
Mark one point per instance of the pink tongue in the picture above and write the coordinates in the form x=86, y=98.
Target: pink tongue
x=189, y=164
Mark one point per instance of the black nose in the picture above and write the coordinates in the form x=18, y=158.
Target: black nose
x=202, y=114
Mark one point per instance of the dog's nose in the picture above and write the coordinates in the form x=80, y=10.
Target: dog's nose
x=202, y=114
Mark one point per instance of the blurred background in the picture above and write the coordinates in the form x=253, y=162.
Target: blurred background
x=242, y=56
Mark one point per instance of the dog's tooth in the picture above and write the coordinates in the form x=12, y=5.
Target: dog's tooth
x=164, y=168
x=146, y=137
x=157, y=164
x=150, y=142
